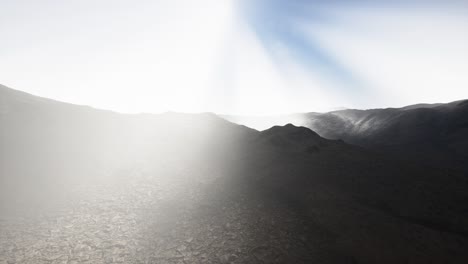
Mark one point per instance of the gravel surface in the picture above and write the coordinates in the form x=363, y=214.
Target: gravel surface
x=147, y=219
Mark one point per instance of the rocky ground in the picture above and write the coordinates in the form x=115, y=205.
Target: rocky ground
x=148, y=219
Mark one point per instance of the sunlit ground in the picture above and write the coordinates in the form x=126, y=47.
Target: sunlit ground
x=170, y=191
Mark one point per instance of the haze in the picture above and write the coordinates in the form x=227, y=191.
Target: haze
x=233, y=131
x=236, y=57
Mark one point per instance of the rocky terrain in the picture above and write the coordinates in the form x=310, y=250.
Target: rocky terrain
x=80, y=185
x=146, y=219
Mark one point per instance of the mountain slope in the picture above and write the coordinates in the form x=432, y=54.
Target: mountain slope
x=43, y=140
x=434, y=135
x=195, y=188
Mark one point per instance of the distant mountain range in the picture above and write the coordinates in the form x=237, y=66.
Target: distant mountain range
x=432, y=134
x=351, y=189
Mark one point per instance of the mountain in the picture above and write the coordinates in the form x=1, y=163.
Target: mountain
x=433, y=135
x=47, y=141
x=80, y=184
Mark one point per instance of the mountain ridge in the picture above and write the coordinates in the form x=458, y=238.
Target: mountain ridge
x=284, y=195
x=430, y=134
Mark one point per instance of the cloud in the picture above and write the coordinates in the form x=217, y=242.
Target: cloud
x=265, y=82
x=196, y=56
x=405, y=55
x=149, y=56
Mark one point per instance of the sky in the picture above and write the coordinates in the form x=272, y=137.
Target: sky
x=244, y=57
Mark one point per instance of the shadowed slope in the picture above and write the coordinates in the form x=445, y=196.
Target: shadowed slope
x=432, y=134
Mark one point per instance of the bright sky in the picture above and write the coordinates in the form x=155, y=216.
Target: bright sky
x=235, y=56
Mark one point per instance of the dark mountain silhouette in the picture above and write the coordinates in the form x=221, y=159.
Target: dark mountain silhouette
x=290, y=137
x=106, y=187
x=433, y=134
